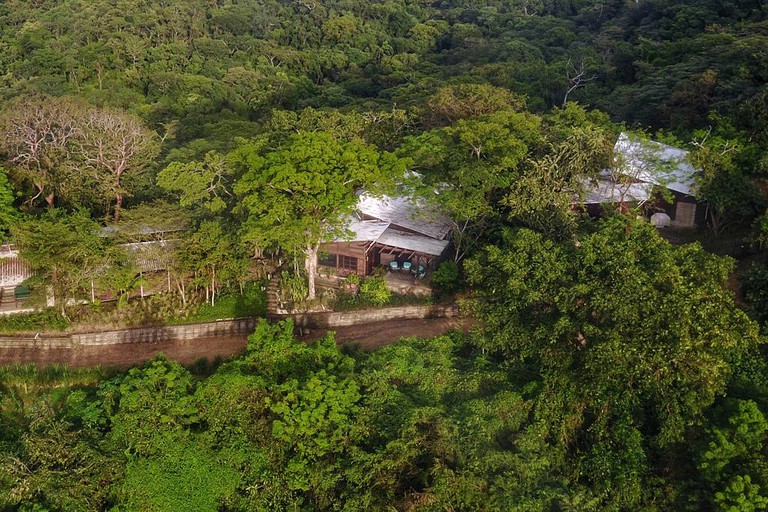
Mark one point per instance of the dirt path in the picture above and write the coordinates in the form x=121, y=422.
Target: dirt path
x=368, y=337
x=374, y=335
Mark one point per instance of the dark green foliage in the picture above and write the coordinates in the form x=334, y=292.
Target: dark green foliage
x=447, y=278
x=296, y=426
x=754, y=286
x=46, y=320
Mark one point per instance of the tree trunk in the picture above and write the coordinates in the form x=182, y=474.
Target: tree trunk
x=310, y=265
x=49, y=199
x=213, y=286
x=118, y=205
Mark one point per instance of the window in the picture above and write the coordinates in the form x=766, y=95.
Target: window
x=348, y=262
x=327, y=259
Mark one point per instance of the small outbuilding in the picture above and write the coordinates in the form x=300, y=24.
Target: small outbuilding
x=652, y=174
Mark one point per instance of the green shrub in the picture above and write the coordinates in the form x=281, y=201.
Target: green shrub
x=374, y=291
x=293, y=287
x=447, y=278
x=39, y=321
x=754, y=286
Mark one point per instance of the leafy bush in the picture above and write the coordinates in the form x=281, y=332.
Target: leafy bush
x=252, y=302
x=374, y=291
x=447, y=278
x=293, y=287
x=45, y=320
x=754, y=286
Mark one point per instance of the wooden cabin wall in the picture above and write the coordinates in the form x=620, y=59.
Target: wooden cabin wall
x=348, y=249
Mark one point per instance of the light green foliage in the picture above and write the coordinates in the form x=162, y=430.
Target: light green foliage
x=740, y=495
x=151, y=408
x=205, y=183
x=299, y=195
x=65, y=251
x=454, y=102
x=742, y=435
x=373, y=290
x=185, y=476
x=316, y=420
x=293, y=287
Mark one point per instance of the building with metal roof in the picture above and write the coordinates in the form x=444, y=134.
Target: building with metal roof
x=642, y=166
x=388, y=229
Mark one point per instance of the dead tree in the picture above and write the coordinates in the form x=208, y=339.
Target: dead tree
x=577, y=77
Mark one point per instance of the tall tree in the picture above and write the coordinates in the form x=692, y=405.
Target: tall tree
x=632, y=323
x=112, y=145
x=299, y=195
x=35, y=135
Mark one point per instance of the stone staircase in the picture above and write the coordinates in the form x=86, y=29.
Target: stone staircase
x=273, y=295
x=7, y=295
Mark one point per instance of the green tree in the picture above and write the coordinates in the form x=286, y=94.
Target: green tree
x=301, y=194
x=64, y=251
x=620, y=315
x=466, y=167
x=215, y=256
x=730, y=193
x=9, y=215
x=207, y=183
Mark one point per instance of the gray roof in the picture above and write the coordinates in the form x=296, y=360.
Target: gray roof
x=406, y=212
x=365, y=230
x=151, y=256
x=409, y=241
x=387, y=234
x=607, y=191
x=656, y=163
x=392, y=216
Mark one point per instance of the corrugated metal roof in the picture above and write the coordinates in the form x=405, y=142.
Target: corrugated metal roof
x=607, y=191
x=657, y=163
x=406, y=213
x=365, y=230
x=409, y=241
x=151, y=256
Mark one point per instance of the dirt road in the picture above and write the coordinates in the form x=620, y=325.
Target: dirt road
x=368, y=337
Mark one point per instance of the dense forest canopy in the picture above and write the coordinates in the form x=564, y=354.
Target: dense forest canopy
x=608, y=369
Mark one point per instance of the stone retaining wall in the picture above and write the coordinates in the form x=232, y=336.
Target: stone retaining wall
x=346, y=318
x=222, y=328
x=236, y=327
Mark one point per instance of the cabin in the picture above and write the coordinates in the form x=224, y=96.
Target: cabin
x=641, y=168
x=393, y=232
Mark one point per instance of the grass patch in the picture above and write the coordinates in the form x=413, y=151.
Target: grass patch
x=23, y=383
x=252, y=302
x=347, y=301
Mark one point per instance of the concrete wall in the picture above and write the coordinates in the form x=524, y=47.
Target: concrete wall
x=364, y=316
x=222, y=328
x=237, y=327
